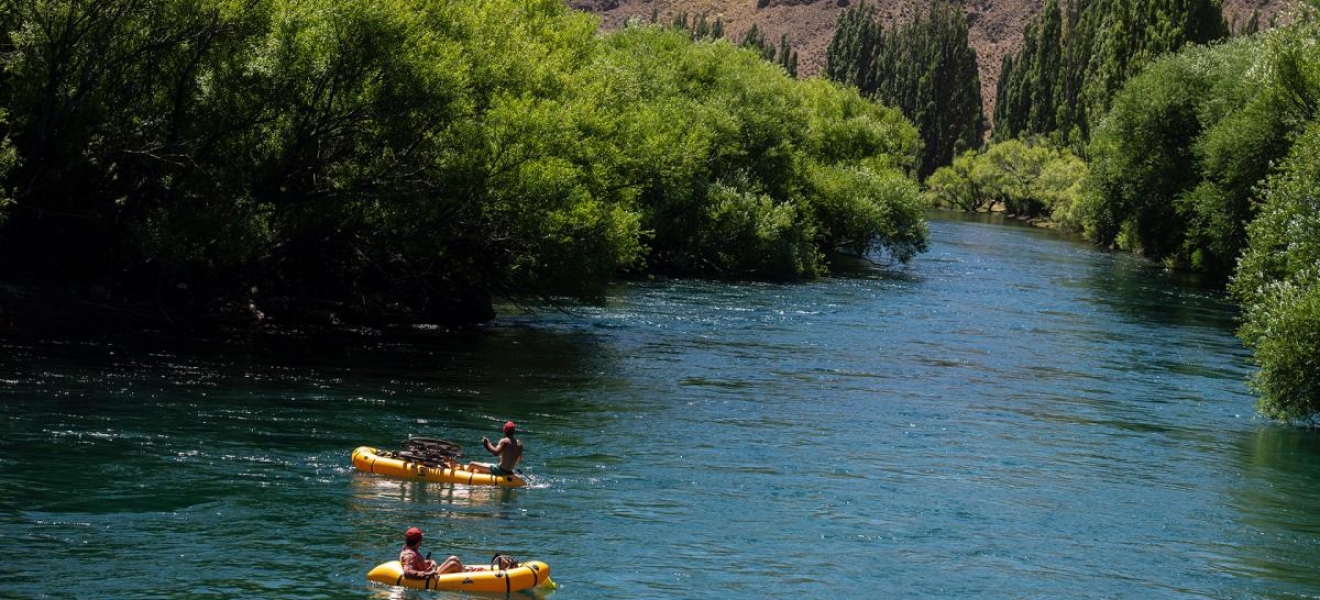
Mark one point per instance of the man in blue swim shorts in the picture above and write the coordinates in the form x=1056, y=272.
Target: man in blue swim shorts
x=509, y=449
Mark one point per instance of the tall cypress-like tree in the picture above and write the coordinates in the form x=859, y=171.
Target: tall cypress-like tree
x=1075, y=58
x=852, y=52
x=926, y=69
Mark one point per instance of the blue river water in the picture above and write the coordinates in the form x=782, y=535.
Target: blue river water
x=1014, y=415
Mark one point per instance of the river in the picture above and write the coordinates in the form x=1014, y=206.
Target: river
x=1014, y=415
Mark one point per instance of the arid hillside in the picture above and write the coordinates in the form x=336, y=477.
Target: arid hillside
x=996, y=25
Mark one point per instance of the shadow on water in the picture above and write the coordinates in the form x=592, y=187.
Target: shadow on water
x=1126, y=284
x=1147, y=293
x=1277, y=539
x=436, y=361
x=156, y=422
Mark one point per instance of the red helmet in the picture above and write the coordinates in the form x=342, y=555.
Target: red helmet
x=509, y=427
x=413, y=536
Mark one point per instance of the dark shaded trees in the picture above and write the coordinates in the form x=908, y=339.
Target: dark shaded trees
x=925, y=68
x=412, y=158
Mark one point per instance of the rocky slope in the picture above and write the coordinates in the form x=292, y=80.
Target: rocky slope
x=995, y=25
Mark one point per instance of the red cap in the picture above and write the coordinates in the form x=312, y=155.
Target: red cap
x=413, y=535
x=509, y=427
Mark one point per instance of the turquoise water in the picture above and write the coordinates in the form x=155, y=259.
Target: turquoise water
x=1012, y=416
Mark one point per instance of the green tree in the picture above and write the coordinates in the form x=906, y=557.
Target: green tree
x=926, y=69
x=1026, y=103
x=7, y=161
x=417, y=158
x=1175, y=163
x=709, y=130
x=954, y=186
x=1031, y=180
x=1278, y=284
x=100, y=98
x=713, y=117
x=859, y=190
x=1075, y=58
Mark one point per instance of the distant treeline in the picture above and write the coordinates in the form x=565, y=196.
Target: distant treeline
x=416, y=157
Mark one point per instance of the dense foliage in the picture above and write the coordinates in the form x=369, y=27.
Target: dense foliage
x=418, y=156
x=1187, y=144
x=1175, y=164
x=925, y=68
x=1031, y=180
x=7, y=159
x=742, y=169
x=1074, y=59
x=1278, y=283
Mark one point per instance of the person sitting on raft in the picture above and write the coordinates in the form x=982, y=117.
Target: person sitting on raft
x=416, y=567
x=509, y=449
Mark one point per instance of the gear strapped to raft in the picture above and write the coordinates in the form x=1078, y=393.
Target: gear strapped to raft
x=431, y=452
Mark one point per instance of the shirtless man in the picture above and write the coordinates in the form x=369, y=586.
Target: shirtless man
x=509, y=449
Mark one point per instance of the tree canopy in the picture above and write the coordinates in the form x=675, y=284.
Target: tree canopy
x=418, y=157
x=1176, y=163
x=1278, y=283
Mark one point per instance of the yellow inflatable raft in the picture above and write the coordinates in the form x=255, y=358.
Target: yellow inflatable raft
x=373, y=460
x=525, y=576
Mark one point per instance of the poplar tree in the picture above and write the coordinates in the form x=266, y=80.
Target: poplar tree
x=926, y=69
x=1074, y=59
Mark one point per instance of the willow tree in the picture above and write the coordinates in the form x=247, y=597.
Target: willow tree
x=739, y=170
x=1278, y=283
x=342, y=151
x=1177, y=162
x=401, y=158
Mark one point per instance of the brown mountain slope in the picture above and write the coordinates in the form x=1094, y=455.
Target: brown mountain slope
x=995, y=25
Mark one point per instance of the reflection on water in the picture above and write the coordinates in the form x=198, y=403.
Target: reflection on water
x=372, y=492
x=1012, y=416
x=1277, y=541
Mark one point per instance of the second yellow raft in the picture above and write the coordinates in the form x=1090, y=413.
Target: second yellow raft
x=525, y=576
x=373, y=460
